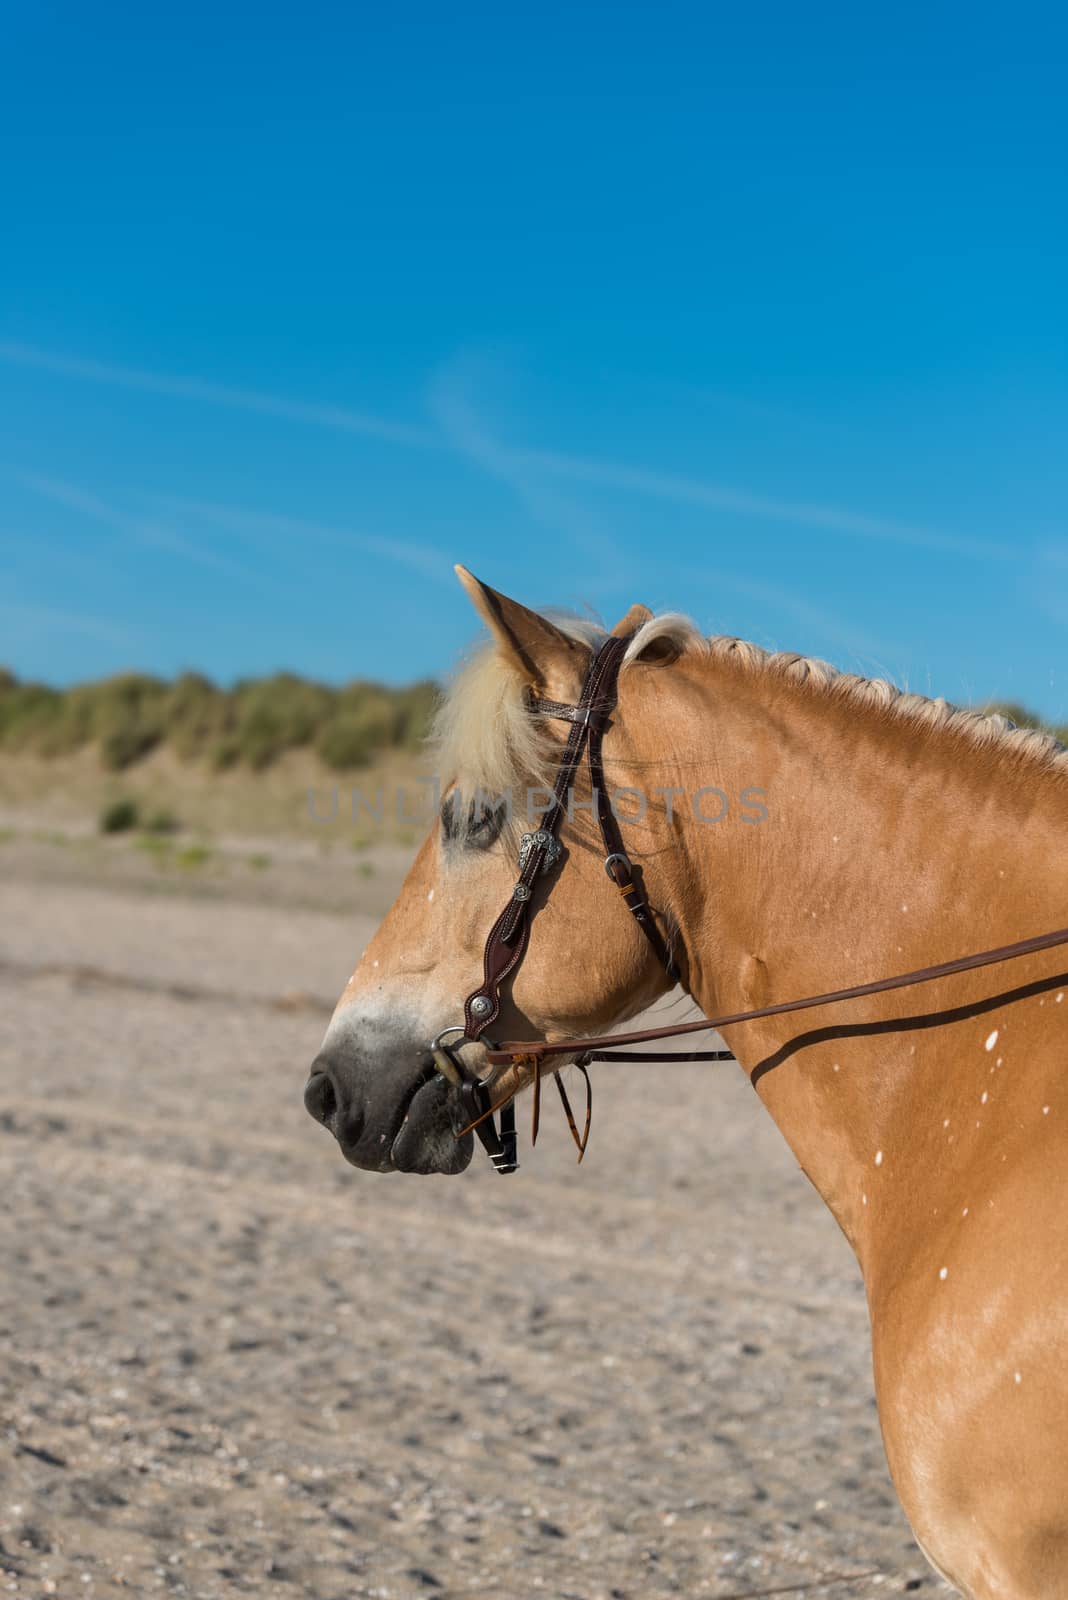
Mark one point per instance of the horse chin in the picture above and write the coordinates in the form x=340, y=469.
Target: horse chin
x=426, y=1140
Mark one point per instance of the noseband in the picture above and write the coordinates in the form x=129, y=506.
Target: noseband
x=540, y=852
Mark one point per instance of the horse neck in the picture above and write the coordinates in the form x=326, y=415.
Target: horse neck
x=886, y=848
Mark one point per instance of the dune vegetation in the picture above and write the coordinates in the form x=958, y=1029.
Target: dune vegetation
x=127, y=717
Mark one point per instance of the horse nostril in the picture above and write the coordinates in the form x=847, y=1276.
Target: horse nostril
x=320, y=1098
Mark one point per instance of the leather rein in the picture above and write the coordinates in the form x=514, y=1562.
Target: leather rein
x=507, y=941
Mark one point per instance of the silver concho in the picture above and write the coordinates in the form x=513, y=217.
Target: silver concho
x=545, y=841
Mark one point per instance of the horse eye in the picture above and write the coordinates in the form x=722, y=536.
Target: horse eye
x=479, y=827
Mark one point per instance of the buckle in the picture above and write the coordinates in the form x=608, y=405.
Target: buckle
x=542, y=840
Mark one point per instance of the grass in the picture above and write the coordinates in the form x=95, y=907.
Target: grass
x=157, y=846
x=194, y=856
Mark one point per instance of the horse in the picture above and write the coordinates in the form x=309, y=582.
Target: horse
x=882, y=830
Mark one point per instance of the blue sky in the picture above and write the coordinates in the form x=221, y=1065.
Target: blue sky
x=757, y=313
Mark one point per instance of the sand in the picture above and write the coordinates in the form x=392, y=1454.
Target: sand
x=228, y=1361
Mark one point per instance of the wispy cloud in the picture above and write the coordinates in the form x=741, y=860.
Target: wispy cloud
x=468, y=433
x=255, y=525
x=1045, y=584
x=251, y=525
x=19, y=615
x=526, y=469
x=338, y=418
x=139, y=529
x=721, y=497
x=869, y=654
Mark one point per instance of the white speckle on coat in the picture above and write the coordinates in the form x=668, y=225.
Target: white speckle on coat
x=992, y=1040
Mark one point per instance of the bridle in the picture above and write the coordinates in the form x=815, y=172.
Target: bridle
x=539, y=853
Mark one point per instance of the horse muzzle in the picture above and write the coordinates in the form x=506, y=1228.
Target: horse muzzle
x=389, y=1119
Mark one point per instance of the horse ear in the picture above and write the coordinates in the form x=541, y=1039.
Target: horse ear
x=659, y=648
x=632, y=621
x=536, y=648
x=665, y=641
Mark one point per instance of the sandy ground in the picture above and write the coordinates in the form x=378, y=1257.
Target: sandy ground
x=229, y=1362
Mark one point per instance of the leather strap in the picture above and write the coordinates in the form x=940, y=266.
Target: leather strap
x=554, y=708
x=618, y=864
x=485, y=1118
x=661, y=1055
x=527, y=1050
x=507, y=940
x=475, y=1098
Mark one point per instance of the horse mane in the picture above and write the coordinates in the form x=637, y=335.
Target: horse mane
x=488, y=742
x=484, y=736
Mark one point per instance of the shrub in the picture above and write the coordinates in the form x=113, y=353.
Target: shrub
x=195, y=714
x=368, y=718
x=126, y=716
x=272, y=715
x=355, y=735
x=29, y=712
x=225, y=753
x=345, y=743
x=118, y=816
x=416, y=709
x=261, y=736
